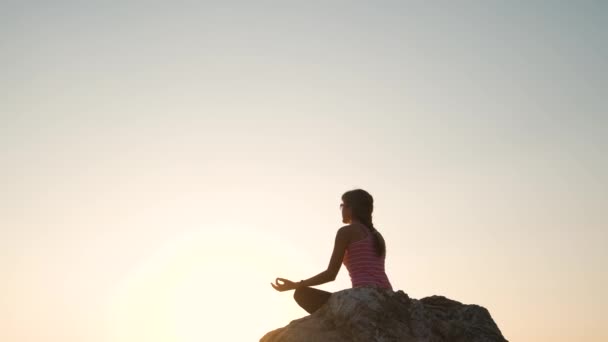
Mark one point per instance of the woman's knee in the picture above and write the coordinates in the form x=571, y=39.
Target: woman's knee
x=297, y=293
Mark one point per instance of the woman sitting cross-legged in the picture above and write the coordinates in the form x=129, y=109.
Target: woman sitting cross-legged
x=358, y=245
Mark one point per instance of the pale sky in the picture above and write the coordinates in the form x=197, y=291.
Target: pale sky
x=162, y=164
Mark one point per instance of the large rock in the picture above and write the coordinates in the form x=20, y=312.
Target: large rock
x=368, y=314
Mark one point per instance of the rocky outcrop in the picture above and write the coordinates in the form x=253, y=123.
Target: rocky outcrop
x=368, y=314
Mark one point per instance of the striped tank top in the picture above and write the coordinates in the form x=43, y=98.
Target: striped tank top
x=364, y=266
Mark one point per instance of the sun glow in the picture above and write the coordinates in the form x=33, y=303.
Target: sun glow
x=208, y=285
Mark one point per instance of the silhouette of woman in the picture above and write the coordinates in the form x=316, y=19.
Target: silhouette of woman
x=358, y=245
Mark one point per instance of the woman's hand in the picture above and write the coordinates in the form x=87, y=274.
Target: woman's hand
x=284, y=286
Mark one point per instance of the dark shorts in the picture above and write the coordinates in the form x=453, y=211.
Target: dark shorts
x=310, y=299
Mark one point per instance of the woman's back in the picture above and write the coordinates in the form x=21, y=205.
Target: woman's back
x=364, y=265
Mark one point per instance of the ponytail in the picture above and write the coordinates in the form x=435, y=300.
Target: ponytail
x=379, y=242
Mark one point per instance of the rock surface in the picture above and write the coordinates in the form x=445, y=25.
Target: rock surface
x=368, y=314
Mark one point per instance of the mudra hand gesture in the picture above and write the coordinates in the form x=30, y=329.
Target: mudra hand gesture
x=285, y=285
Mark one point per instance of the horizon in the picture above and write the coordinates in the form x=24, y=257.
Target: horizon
x=163, y=163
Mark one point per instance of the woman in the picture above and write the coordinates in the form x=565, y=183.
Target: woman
x=358, y=245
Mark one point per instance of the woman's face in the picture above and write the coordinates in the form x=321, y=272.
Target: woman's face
x=346, y=213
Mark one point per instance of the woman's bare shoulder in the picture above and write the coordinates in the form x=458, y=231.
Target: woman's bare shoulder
x=351, y=229
x=355, y=231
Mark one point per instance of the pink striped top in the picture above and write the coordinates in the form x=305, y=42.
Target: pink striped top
x=364, y=266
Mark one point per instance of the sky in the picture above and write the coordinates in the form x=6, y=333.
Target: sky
x=162, y=163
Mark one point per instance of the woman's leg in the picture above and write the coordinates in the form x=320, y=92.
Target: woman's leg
x=310, y=299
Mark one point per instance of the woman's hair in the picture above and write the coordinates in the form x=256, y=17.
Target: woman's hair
x=362, y=205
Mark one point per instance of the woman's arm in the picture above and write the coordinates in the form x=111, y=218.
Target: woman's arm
x=335, y=262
